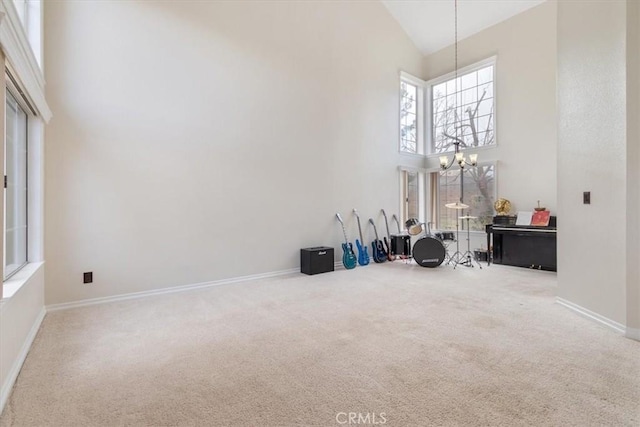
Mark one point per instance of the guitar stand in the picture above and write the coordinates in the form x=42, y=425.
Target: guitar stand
x=468, y=257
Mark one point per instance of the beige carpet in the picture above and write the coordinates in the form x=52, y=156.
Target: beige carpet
x=392, y=342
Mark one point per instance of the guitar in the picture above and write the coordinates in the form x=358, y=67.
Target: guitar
x=379, y=255
x=387, y=242
x=395, y=218
x=348, y=256
x=363, y=255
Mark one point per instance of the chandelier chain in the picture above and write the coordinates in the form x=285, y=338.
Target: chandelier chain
x=455, y=115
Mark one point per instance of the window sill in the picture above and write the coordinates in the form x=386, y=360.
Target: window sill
x=12, y=285
x=408, y=154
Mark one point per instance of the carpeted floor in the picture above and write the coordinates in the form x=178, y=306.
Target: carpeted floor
x=393, y=344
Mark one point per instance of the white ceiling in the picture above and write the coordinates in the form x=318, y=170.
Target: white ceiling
x=430, y=23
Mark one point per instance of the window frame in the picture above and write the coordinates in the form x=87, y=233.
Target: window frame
x=14, y=92
x=421, y=126
x=428, y=112
x=22, y=62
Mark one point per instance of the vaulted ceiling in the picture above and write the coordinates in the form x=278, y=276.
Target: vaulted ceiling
x=430, y=23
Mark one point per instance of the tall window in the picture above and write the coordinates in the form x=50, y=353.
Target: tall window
x=15, y=193
x=453, y=111
x=413, y=190
x=29, y=13
x=408, y=117
x=21, y=8
x=463, y=110
x=412, y=103
x=478, y=191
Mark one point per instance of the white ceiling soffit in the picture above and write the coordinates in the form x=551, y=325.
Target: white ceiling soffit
x=430, y=23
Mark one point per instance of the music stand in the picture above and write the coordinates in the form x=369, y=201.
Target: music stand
x=457, y=256
x=468, y=257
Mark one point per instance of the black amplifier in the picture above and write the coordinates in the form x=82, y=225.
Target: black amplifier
x=316, y=260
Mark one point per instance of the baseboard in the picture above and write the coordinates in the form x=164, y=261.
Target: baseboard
x=171, y=290
x=5, y=392
x=618, y=327
x=634, y=334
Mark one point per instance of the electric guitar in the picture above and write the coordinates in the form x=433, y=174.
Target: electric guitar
x=395, y=218
x=363, y=256
x=348, y=256
x=379, y=255
x=387, y=242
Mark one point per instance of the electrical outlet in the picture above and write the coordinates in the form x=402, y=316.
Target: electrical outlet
x=88, y=277
x=586, y=197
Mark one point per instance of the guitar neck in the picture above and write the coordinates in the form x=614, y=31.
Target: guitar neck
x=344, y=232
x=386, y=223
x=360, y=230
x=395, y=218
x=375, y=230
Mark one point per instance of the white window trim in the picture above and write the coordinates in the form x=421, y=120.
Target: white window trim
x=420, y=115
x=35, y=201
x=10, y=89
x=21, y=59
x=428, y=102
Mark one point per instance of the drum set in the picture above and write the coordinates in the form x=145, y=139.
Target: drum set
x=432, y=249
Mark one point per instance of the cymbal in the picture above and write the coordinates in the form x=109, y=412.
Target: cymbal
x=456, y=205
x=468, y=217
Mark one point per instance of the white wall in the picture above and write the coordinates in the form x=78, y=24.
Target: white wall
x=20, y=318
x=195, y=141
x=525, y=46
x=592, y=153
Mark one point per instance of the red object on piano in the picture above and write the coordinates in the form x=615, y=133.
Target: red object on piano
x=541, y=218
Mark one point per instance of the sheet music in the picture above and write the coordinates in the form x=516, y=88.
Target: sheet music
x=524, y=218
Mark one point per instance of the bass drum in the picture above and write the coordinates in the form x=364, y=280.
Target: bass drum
x=429, y=252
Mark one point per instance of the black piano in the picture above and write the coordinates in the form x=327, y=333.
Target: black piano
x=523, y=245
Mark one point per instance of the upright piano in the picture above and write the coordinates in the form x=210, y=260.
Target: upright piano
x=523, y=245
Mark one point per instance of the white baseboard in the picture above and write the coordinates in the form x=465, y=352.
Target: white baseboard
x=171, y=290
x=5, y=392
x=634, y=334
x=618, y=327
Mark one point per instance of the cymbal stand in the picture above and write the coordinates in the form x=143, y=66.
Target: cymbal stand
x=457, y=255
x=467, y=257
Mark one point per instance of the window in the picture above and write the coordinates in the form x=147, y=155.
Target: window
x=15, y=193
x=412, y=184
x=478, y=191
x=435, y=116
x=21, y=8
x=30, y=15
x=411, y=114
x=462, y=110
x=408, y=117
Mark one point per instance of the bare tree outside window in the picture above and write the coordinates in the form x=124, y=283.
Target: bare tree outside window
x=479, y=190
x=463, y=114
x=463, y=111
